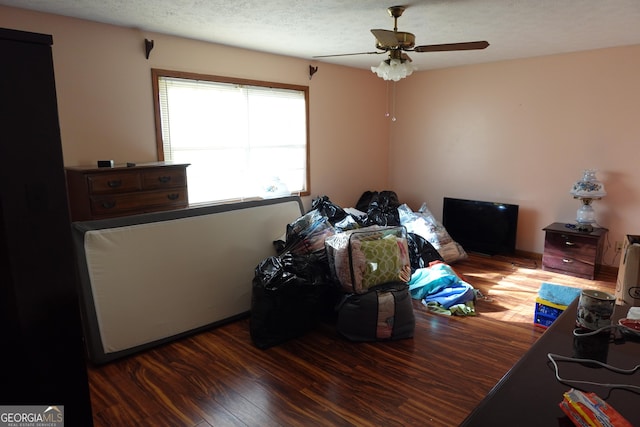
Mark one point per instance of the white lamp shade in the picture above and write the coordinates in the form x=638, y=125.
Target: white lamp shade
x=589, y=187
x=394, y=69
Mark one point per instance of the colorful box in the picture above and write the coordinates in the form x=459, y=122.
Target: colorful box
x=546, y=312
x=589, y=410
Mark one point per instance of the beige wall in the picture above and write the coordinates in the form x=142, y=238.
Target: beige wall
x=522, y=132
x=517, y=131
x=105, y=101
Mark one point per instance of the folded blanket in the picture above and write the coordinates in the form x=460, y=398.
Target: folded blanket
x=558, y=294
x=439, y=283
x=457, y=293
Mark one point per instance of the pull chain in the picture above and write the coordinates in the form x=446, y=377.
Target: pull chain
x=386, y=114
x=393, y=103
x=391, y=114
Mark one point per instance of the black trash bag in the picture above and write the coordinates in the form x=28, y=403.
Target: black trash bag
x=291, y=294
x=382, y=208
x=280, y=246
x=421, y=252
x=389, y=199
x=365, y=200
x=329, y=209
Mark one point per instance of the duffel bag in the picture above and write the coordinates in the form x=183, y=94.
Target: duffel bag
x=382, y=314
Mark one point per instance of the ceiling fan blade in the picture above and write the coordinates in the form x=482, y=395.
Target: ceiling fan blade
x=385, y=38
x=349, y=54
x=452, y=46
x=406, y=57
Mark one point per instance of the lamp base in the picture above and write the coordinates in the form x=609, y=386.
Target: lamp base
x=587, y=228
x=585, y=217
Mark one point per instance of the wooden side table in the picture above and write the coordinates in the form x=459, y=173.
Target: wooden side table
x=572, y=252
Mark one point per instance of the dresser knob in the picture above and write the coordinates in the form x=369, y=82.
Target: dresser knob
x=173, y=196
x=114, y=184
x=567, y=261
x=568, y=243
x=108, y=204
x=164, y=179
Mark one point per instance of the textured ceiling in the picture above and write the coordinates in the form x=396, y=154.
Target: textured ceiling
x=305, y=28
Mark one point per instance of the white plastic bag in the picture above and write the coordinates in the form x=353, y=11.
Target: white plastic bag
x=424, y=224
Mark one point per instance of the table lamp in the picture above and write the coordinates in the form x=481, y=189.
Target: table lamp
x=587, y=190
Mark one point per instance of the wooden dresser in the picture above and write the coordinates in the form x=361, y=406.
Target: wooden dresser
x=97, y=193
x=568, y=251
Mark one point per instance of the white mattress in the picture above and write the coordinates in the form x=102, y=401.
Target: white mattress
x=152, y=278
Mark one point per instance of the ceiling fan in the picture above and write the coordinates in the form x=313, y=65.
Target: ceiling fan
x=397, y=43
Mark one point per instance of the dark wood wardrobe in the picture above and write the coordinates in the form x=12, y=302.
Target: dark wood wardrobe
x=43, y=360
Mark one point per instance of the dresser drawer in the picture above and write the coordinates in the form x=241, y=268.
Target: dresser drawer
x=565, y=264
x=123, y=204
x=114, y=182
x=571, y=246
x=164, y=178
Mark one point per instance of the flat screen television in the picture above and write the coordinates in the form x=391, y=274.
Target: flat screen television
x=482, y=227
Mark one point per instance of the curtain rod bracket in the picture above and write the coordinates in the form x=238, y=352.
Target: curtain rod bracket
x=312, y=71
x=148, y=46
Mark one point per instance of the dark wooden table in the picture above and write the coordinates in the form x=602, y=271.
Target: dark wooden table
x=528, y=395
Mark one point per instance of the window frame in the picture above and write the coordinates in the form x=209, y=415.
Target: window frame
x=158, y=73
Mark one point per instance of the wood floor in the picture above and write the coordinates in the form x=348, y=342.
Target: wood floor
x=219, y=378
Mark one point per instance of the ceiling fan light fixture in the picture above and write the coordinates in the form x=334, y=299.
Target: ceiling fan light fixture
x=394, y=69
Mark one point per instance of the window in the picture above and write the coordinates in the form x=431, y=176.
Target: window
x=243, y=139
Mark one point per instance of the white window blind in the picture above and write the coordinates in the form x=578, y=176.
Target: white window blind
x=242, y=141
